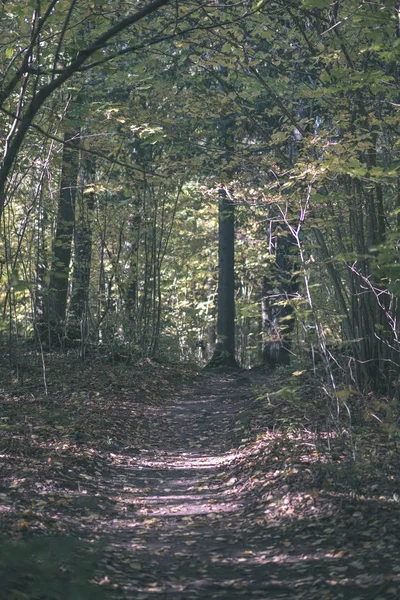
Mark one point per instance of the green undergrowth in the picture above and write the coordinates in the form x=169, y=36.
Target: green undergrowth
x=303, y=458
x=343, y=442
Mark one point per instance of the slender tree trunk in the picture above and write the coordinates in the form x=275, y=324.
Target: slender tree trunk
x=211, y=333
x=224, y=353
x=62, y=245
x=131, y=298
x=42, y=253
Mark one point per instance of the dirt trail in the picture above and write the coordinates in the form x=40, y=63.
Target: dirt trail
x=182, y=522
x=189, y=513
x=188, y=528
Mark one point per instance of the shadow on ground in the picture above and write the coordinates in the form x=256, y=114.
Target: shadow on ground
x=183, y=514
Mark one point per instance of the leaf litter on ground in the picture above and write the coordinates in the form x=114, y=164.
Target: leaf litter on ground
x=155, y=481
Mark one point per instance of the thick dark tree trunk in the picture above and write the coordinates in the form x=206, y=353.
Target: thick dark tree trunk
x=62, y=245
x=224, y=353
x=78, y=308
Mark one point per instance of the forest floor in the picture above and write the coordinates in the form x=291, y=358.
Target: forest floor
x=159, y=482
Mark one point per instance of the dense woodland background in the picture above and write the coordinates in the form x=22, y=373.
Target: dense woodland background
x=127, y=127
x=189, y=184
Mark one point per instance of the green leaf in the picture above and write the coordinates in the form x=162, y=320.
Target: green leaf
x=309, y=4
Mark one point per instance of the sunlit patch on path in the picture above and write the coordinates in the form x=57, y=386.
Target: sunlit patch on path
x=177, y=485
x=190, y=509
x=186, y=529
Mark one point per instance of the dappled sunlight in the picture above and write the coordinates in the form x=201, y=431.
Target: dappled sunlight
x=192, y=506
x=184, y=511
x=187, y=461
x=182, y=484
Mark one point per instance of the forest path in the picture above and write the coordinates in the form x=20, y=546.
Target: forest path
x=199, y=518
x=181, y=531
x=149, y=484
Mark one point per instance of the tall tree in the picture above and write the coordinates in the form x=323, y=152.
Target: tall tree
x=62, y=245
x=79, y=304
x=224, y=353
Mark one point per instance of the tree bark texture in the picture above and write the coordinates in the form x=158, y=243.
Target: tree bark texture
x=83, y=252
x=224, y=353
x=62, y=245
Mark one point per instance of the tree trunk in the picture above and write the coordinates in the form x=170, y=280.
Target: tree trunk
x=224, y=353
x=77, y=326
x=62, y=244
